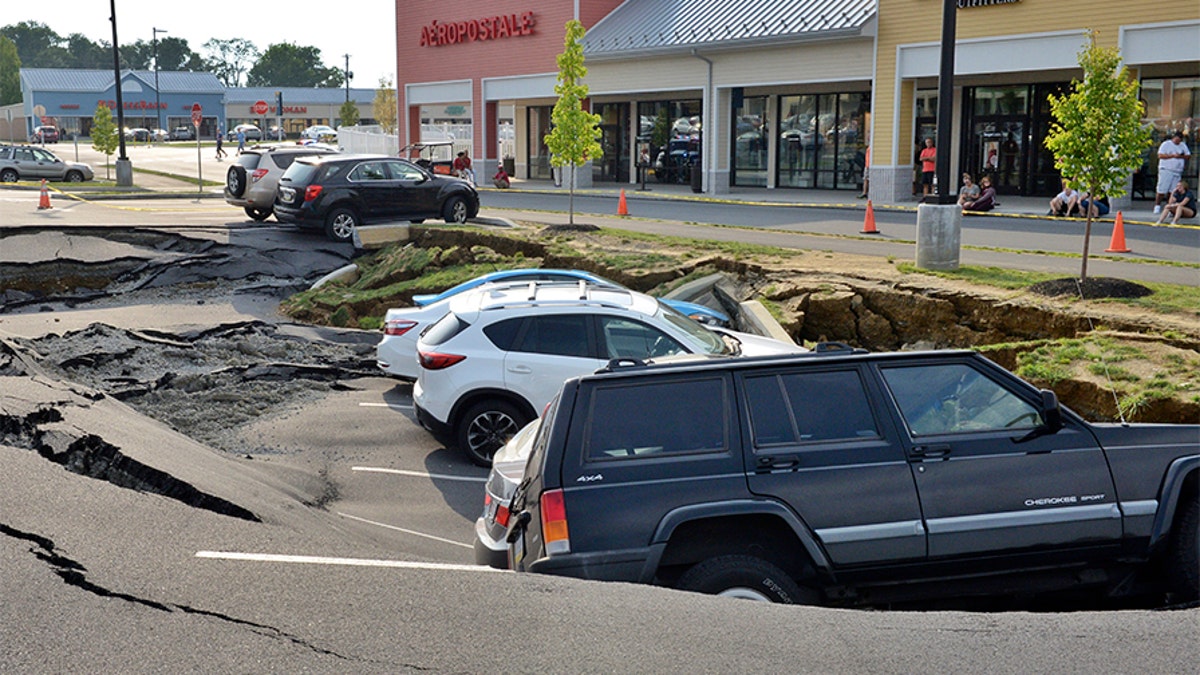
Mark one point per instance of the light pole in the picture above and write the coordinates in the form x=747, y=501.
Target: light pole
x=124, y=167
x=348, y=76
x=157, y=102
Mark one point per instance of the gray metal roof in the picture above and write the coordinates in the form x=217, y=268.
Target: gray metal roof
x=76, y=79
x=640, y=26
x=321, y=96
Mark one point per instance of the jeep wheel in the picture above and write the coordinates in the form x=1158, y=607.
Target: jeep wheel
x=258, y=214
x=340, y=224
x=455, y=210
x=745, y=577
x=1183, y=558
x=486, y=427
x=235, y=180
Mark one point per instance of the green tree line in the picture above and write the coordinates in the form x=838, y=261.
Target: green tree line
x=236, y=62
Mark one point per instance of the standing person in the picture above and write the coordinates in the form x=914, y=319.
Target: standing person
x=928, y=166
x=969, y=191
x=221, y=154
x=241, y=136
x=987, y=199
x=1182, y=203
x=866, y=191
x=1172, y=157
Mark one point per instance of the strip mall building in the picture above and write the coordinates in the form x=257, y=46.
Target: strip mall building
x=787, y=94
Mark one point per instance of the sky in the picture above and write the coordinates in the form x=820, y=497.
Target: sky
x=367, y=32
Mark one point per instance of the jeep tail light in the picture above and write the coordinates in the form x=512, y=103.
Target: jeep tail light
x=398, y=326
x=502, y=514
x=258, y=173
x=554, y=523
x=437, y=361
x=312, y=192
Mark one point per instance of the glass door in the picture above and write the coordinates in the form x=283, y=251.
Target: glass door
x=539, y=154
x=613, y=166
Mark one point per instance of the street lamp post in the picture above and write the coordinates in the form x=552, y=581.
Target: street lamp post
x=348, y=76
x=939, y=218
x=124, y=168
x=157, y=102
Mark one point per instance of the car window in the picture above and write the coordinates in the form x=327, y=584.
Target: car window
x=403, y=171
x=710, y=342
x=445, y=328
x=635, y=340
x=368, y=171
x=809, y=407
x=25, y=154
x=42, y=155
x=652, y=419
x=5, y=153
x=956, y=398
x=557, y=334
x=503, y=334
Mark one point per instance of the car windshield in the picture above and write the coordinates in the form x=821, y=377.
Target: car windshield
x=712, y=343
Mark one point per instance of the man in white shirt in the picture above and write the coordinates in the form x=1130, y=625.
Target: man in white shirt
x=1172, y=157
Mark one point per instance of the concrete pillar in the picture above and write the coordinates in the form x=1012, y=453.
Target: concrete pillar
x=124, y=173
x=939, y=236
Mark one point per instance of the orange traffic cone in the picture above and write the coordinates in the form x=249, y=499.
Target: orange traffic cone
x=622, y=208
x=1117, y=245
x=44, y=202
x=869, y=221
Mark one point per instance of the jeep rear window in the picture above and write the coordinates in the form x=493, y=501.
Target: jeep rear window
x=647, y=419
x=809, y=407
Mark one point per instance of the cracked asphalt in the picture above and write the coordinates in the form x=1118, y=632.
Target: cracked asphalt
x=184, y=489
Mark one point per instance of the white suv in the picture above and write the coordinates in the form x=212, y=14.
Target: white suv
x=502, y=352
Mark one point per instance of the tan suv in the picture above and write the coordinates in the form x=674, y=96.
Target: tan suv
x=250, y=183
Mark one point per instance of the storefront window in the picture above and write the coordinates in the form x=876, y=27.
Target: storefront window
x=539, y=154
x=750, y=142
x=821, y=140
x=613, y=165
x=675, y=133
x=1171, y=105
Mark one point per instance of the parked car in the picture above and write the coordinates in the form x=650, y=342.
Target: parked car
x=396, y=353
x=508, y=466
x=158, y=135
x=252, y=180
x=276, y=133
x=843, y=477
x=137, y=134
x=502, y=352
x=183, y=133
x=44, y=134
x=252, y=132
x=23, y=162
x=319, y=132
x=337, y=193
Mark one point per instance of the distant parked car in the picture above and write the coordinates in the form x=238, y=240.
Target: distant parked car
x=183, y=133
x=276, y=133
x=44, y=134
x=253, y=133
x=22, y=162
x=137, y=134
x=319, y=131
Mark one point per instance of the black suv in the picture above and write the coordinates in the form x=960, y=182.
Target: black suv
x=340, y=192
x=847, y=478
x=253, y=178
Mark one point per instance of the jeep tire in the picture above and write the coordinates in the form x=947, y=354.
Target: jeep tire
x=746, y=577
x=1183, y=557
x=486, y=427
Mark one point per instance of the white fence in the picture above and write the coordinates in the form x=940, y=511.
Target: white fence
x=368, y=139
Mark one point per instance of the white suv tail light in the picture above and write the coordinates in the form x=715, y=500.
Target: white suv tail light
x=398, y=326
x=438, y=361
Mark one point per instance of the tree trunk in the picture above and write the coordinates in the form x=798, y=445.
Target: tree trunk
x=1087, y=238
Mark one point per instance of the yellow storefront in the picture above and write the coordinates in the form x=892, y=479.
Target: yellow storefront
x=1009, y=54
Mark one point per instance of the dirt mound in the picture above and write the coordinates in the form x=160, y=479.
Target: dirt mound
x=1090, y=288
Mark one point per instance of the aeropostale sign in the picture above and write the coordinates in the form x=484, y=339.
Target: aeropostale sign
x=497, y=27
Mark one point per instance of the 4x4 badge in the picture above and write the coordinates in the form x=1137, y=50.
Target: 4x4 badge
x=590, y=479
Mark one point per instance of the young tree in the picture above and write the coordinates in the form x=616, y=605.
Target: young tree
x=104, y=134
x=10, y=68
x=348, y=113
x=385, y=106
x=1097, y=135
x=574, y=137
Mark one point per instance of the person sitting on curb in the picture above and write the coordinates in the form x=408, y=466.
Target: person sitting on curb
x=1097, y=207
x=1182, y=203
x=969, y=191
x=501, y=179
x=1065, y=203
x=987, y=198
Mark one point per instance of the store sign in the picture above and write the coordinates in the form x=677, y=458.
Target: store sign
x=477, y=30
x=298, y=109
x=133, y=105
x=69, y=106
x=963, y=4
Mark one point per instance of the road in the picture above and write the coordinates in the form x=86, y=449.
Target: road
x=359, y=559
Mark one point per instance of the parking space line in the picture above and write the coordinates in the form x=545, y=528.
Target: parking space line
x=419, y=474
x=365, y=404
x=401, y=529
x=355, y=562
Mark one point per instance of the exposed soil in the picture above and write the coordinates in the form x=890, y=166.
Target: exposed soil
x=1091, y=288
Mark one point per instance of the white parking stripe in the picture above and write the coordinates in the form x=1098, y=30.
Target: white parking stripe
x=401, y=529
x=419, y=474
x=364, y=404
x=356, y=562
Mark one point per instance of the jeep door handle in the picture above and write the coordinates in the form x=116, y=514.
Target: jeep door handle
x=935, y=451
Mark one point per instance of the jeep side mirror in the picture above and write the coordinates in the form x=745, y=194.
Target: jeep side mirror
x=1051, y=412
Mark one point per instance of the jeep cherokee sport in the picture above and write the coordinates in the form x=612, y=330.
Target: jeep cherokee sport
x=848, y=478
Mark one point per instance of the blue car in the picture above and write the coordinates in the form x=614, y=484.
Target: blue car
x=698, y=312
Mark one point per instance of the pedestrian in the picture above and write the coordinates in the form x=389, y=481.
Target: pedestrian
x=462, y=168
x=1172, y=157
x=220, y=150
x=866, y=176
x=501, y=179
x=1182, y=203
x=1066, y=202
x=928, y=165
x=969, y=191
x=987, y=198
x=241, y=138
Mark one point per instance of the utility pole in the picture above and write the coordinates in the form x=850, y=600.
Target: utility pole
x=348, y=76
x=157, y=101
x=124, y=167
